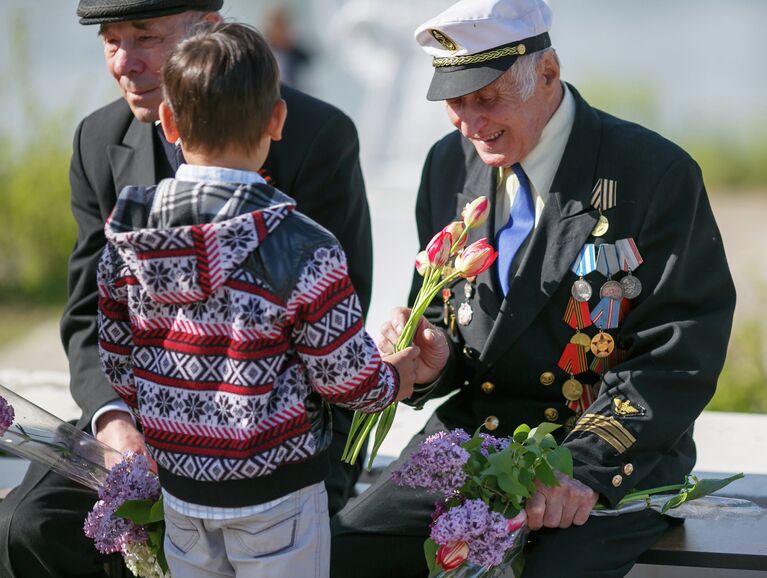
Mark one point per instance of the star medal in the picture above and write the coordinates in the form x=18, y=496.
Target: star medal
x=612, y=290
x=602, y=345
x=601, y=227
x=632, y=286
x=572, y=389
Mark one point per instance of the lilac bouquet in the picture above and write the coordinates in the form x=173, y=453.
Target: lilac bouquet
x=479, y=527
x=128, y=516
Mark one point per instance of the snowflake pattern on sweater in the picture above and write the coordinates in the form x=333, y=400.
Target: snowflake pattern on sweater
x=215, y=365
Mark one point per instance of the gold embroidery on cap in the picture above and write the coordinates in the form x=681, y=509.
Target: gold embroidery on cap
x=476, y=58
x=443, y=39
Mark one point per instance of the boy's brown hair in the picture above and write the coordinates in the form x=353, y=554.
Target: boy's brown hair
x=221, y=83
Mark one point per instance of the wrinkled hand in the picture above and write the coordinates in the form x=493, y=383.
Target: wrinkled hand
x=406, y=362
x=116, y=429
x=561, y=506
x=431, y=341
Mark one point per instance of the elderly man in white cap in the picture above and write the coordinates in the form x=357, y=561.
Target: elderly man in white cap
x=608, y=310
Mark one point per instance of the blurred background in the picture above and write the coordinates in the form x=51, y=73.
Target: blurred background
x=690, y=69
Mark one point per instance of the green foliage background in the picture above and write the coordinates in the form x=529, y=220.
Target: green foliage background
x=37, y=231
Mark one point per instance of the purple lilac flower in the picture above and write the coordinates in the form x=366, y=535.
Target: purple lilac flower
x=484, y=531
x=131, y=479
x=437, y=465
x=489, y=441
x=7, y=415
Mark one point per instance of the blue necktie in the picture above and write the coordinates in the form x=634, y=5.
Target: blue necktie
x=512, y=235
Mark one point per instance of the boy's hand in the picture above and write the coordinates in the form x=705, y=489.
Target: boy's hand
x=406, y=362
x=116, y=429
x=435, y=350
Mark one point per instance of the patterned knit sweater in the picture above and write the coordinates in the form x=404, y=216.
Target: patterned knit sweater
x=225, y=320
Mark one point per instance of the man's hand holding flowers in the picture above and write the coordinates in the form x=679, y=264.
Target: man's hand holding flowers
x=434, y=349
x=561, y=506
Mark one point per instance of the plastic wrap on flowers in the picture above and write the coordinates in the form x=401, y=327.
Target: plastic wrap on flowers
x=510, y=565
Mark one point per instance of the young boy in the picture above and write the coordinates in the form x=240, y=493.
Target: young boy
x=227, y=320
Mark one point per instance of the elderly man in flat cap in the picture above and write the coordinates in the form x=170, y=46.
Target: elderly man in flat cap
x=121, y=144
x=608, y=310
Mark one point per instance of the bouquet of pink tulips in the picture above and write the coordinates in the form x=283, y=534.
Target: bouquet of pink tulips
x=434, y=265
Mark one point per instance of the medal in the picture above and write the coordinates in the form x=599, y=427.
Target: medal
x=586, y=261
x=607, y=260
x=602, y=344
x=572, y=389
x=581, y=290
x=632, y=286
x=468, y=290
x=601, y=227
x=446, y=295
x=577, y=314
x=465, y=314
x=628, y=254
x=604, y=195
x=573, y=359
x=612, y=290
x=606, y=315
x=581, y=339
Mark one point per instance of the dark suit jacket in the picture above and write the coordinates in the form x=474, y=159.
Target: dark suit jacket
x=675, y=336
x=316, y=163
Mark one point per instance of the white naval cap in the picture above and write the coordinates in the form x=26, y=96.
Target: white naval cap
x=475, y=41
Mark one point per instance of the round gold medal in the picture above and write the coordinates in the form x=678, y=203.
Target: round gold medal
x=601, y=227
x=602, y=344
x=572, y=389
x=581, y=339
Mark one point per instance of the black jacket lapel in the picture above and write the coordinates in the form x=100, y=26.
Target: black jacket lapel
x=565, y=225
x=133, y=161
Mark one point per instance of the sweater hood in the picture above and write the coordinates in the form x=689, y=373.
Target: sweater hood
x=183, y=240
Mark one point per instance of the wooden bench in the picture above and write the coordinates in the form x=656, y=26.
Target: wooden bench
x=735, y=544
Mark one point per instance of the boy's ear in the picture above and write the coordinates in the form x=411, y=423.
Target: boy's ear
x=168, y=123
x=277, y=120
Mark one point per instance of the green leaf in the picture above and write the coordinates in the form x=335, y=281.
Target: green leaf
x=543, y=429
x=521, y=433
x=430, y=548
x=548, y=442
x=500, y=463
x=698, y=490
x=511, y=486
x=561, y=459
x=139, y=512
x=545, y=474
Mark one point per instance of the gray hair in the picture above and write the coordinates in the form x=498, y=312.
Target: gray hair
x=522, y=76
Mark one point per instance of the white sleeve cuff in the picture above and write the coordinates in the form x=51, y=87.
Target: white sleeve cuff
x=117, y=405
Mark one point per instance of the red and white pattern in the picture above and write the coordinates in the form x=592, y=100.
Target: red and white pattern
x=216, y=366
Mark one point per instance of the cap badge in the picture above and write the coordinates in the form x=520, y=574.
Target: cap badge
x=521, y=49
x=444, y=40
x=626, y=407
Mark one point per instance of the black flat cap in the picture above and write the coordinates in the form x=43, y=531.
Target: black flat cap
x=102, y=11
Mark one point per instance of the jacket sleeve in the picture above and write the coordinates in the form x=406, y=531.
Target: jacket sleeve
x=88, y=385
x=115, y=343
x=333, y=194
x=675, y=338
x=340, y=359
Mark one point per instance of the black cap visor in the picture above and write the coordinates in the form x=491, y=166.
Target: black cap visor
x=106, y=11
x=455, y=81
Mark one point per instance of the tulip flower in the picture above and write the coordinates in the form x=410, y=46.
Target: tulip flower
x=517, y=522
x=452, y=555
x=456, y=229
x=438, y=249
x=422, y=263
x=475, y=213
x=475, y=259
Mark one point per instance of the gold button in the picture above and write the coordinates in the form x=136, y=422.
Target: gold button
x=617, y=480
x=551, y=414
x=521, y=49
x=488, y=387
x=492, y=422
x=628, y=469
x=546, y=378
